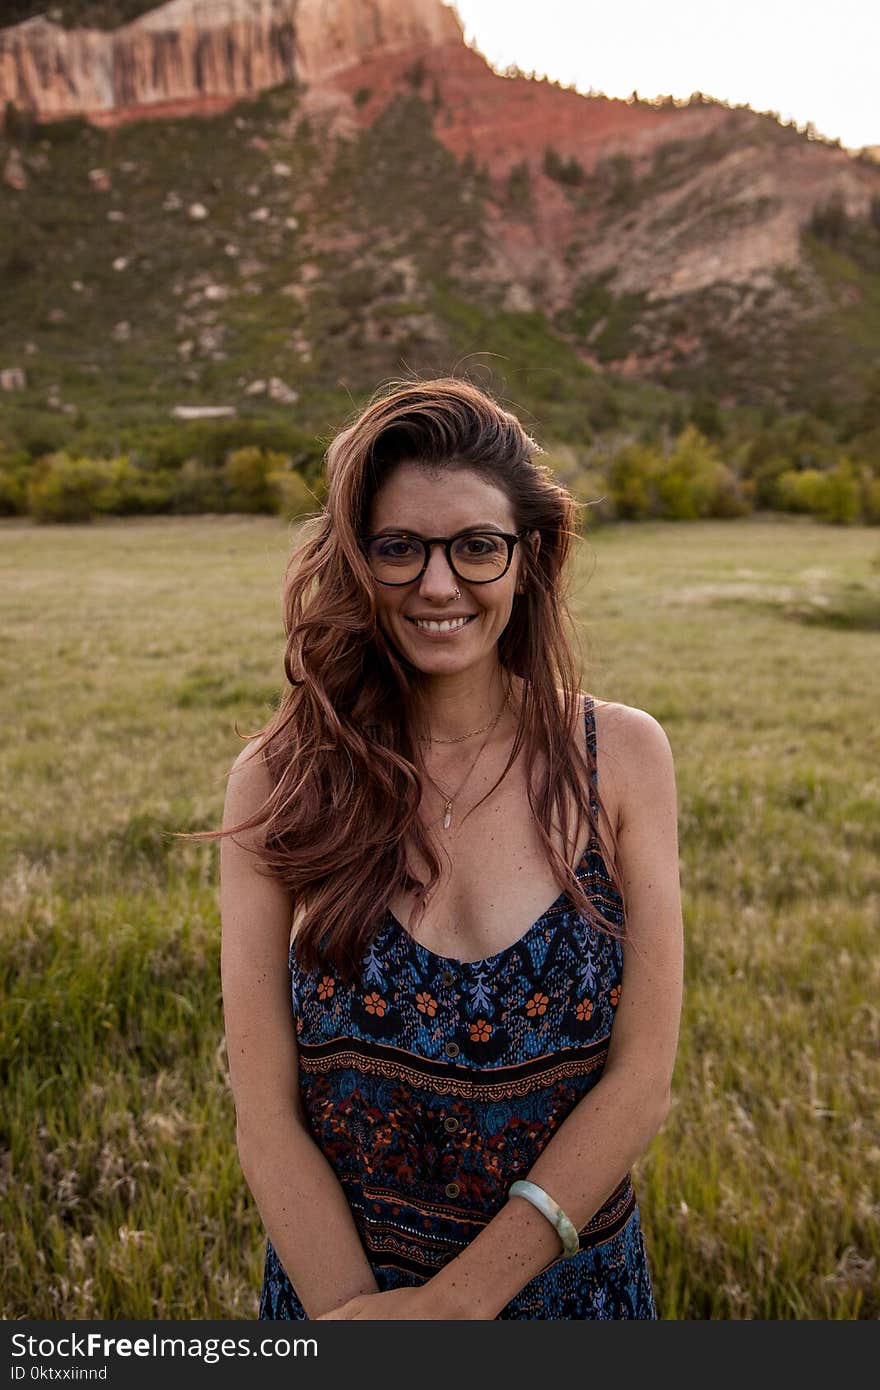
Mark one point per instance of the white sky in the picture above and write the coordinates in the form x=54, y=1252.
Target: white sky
x=810, y=60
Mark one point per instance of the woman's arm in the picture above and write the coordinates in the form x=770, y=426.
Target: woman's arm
x=299, y=1197
x=614, y=1123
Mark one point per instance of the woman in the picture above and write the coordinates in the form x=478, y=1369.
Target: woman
x=416, y=801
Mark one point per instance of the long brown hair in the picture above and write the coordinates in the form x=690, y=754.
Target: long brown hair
x=342, y=748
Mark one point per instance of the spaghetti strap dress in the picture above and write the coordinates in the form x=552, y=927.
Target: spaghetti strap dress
x=432, y=1084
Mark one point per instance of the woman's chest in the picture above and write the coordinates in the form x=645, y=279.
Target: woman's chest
x=496, y=879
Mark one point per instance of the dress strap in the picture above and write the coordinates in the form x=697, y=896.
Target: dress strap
x=590, y=721
x=590, y=725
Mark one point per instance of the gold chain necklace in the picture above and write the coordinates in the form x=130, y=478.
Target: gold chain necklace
x=448, y=800
x=461, y=737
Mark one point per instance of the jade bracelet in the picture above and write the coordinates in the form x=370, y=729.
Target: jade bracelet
x=545, y=1204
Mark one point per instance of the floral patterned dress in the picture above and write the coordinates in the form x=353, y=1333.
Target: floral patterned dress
x=433, y=1084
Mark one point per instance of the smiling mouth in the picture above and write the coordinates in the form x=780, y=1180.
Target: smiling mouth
x=441, y=625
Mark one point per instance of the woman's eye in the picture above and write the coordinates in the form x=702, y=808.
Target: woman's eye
x=478, y=547
x=395, y=549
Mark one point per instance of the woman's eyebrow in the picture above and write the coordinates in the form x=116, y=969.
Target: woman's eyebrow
x=474, y=526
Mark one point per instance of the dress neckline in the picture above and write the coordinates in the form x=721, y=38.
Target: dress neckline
x=426, y=952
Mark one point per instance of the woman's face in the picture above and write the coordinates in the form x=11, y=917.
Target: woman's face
x=440, y=504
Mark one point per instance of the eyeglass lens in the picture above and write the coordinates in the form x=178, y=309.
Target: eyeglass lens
x=477, y=557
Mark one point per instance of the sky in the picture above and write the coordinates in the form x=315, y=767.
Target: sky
x=808, y=60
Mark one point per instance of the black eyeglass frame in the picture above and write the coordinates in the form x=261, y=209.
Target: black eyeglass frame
x=447, y=542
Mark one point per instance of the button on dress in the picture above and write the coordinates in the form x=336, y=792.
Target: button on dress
x=431, y=1085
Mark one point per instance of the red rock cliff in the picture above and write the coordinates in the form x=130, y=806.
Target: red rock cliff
x=202, y=55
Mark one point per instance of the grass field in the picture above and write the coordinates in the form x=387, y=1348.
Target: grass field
x=127, y=651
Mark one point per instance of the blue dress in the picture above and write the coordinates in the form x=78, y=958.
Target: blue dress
x=432, y=1084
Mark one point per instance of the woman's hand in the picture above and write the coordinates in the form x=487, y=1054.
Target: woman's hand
x=395, y=1305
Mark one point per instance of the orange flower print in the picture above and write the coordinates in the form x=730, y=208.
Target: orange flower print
x=537, y=1004
x=325, y=988
x=375, y=1004
x=425, y=1004
x=480, y=1031
x=615, y=995
x=584, y=1010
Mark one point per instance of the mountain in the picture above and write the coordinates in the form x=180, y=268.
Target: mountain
x=341, y=189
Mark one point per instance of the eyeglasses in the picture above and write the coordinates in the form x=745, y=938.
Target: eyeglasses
x=477, y=557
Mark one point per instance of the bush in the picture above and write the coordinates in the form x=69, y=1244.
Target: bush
x=519, y=184
x=15, y=469
x=212, y=441
x=834, y=495
x=830, y=221
x=633, y=474
x=291, y=495
x=688, y=483
x=64, y=488
x=842, y=500
x=246, y=477
x=71, y=130
x=569, y=171
x=801, y=491
x=198, y=488
x=147, y=491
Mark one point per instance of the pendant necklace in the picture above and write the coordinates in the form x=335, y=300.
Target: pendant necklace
x=450, y=799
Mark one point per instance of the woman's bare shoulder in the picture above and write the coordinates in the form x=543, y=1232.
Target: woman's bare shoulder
x=626, y=729
x=251, y=767
x=626, y=739
x=248, y=789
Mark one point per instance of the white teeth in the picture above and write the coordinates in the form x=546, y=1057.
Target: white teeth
x=446, y=626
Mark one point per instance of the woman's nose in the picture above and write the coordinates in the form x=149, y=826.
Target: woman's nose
x=439, y=579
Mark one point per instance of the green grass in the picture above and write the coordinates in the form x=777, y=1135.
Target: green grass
x=128, y=650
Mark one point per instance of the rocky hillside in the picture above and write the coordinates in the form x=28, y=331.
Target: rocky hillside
x=391, y=201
